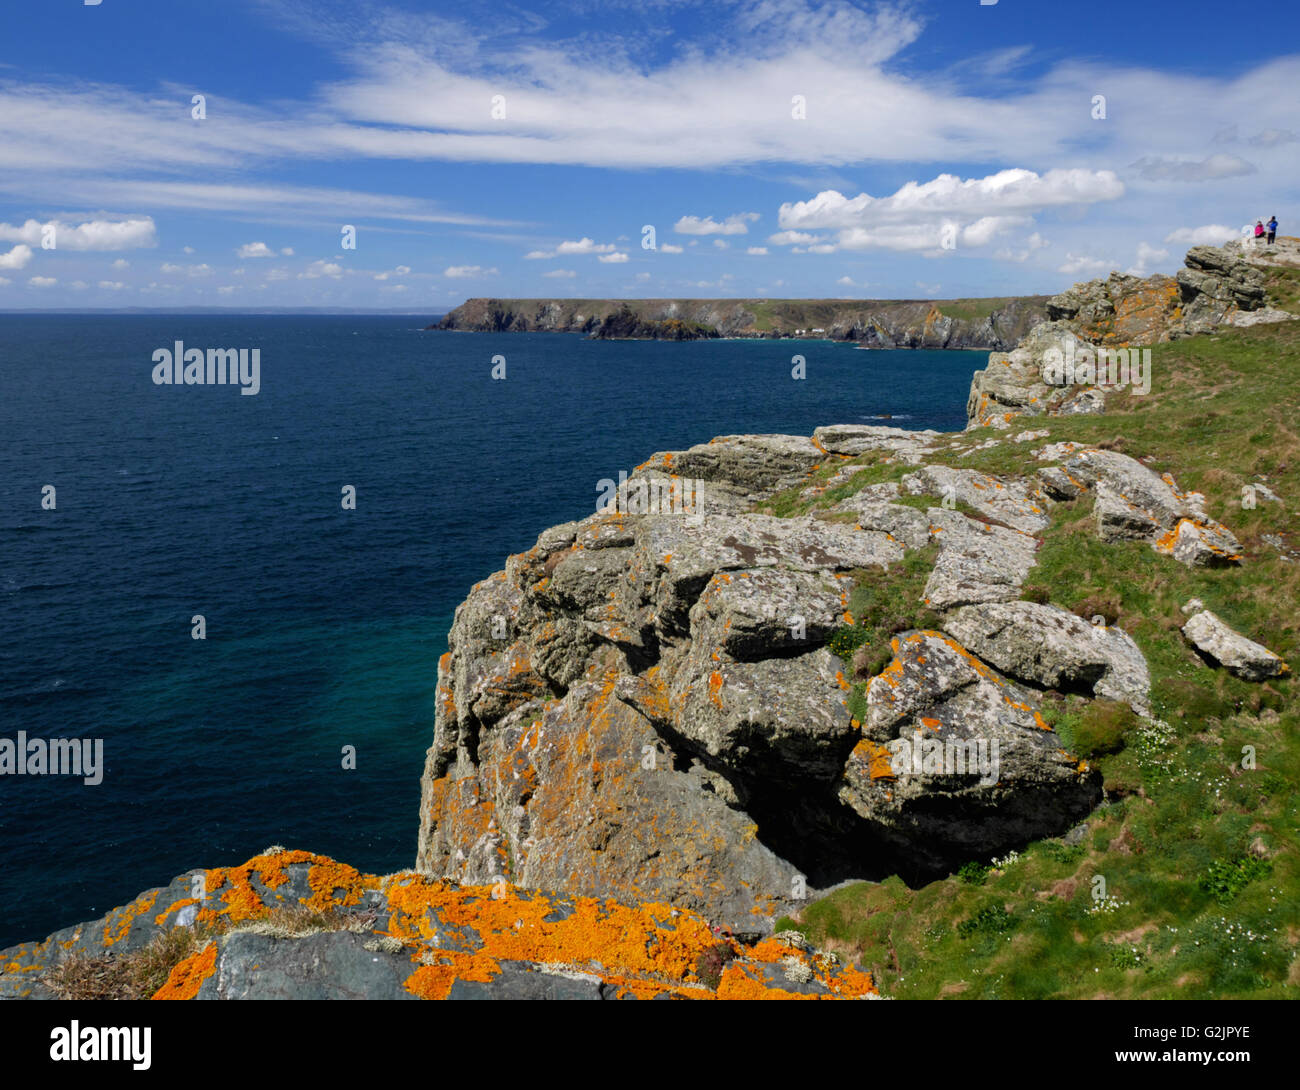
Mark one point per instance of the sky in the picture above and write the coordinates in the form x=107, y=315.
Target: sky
x=169, y=153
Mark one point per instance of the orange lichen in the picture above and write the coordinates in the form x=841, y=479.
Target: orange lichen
x=188, y=976
x=116, y=931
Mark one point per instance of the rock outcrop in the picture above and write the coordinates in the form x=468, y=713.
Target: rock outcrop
x=1219, y=286
x=293, y=925
x=645, y=706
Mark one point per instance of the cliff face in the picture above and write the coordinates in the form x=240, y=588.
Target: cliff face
x=967, y=323
x=1218, y=287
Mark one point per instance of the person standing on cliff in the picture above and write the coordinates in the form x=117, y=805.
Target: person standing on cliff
x=1272, y=230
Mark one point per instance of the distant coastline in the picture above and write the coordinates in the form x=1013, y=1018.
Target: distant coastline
x=996, y=324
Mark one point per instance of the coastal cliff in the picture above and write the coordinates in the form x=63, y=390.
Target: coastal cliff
x=963, y=323
x=843, y=714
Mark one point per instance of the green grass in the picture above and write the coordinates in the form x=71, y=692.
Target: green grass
x=1197, y=842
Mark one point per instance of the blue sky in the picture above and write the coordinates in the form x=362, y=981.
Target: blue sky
x=783, y=149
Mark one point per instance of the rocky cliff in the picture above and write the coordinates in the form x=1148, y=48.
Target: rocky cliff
x=963, y=323
x=1219, y=287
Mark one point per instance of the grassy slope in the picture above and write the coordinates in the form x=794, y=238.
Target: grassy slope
x=1181, y=812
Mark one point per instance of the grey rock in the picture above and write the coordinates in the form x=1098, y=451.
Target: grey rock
x=1243, y=657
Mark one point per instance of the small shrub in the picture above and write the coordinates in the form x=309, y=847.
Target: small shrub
x=1102, y=727
x=1224, y=879
x=973, y=873
x=1059, y=852
x=990, y=920
x=711, y=962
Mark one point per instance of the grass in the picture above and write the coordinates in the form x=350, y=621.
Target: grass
x=1197, y=842
x=140, y=973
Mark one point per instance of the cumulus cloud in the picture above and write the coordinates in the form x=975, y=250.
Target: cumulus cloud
x=42, y=281
x=560, y=274
x=1212, y=234
x=1146, y=256
x=737, y=224
x=758, y=251
x=581, y=246
x=669, y=248
x=121, y=263
x=1078, y=263
x=1170, y=169
x=112, y=285
x=401, y=270
x=942, y=213
x=17, y=258
x=129, y=234
x=613, y=259
x=467, y=272
x=318, y=269
x=255, y=249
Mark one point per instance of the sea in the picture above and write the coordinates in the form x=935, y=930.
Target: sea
x=323, y=624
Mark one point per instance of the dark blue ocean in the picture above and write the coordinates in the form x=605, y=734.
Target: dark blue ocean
x=324, y=626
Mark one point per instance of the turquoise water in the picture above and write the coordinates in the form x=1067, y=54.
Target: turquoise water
x=324, y=626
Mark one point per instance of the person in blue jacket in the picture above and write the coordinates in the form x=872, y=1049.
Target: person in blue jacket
x=1272, y=230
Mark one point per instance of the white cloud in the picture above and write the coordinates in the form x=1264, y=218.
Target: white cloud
x=737, y=224
x=1032, y=243
x=42, y=281
x=187, y=249
x=401, y=270
x=643, y=276
x=131, y=234
x=584, y=246
x=226, y=289
x=1212, y=234
x=791, y=238
x=255, y=249
x=4, y=282
x=669, y=248
x=1146, y=256
x=121, y=263
x=581, y=246
x=466, y=272
x=721, y=244
x=757, y=250
x=17, y=258
x=560, y=274
x=613, y=259
x=112, y=285
x=172, y=269
x=1077, y=263
x=273, y=275
x=287, y=252
x=944, y=212
x=1170, y=169
x=318, y=269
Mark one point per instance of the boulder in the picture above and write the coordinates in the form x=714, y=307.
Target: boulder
x=1051, y=648
x=1242, y=657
